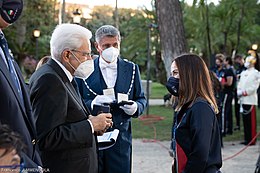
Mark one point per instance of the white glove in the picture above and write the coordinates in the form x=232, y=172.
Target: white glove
x=129, y=109
x=101, y=99
x=239, y=93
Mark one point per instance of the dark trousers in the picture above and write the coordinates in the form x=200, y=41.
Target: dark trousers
x=237, y=107
x=249, y=121
x=227, y=113
x=118, y=158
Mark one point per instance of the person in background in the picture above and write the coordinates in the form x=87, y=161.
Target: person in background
x=65, y=128
x=239, y=64
x=114, y=80
x=219, y=67
x=217, y=88
x=42, y=61
x=220, y=73
x=228, y=85
x=15, y=107
x=247, y=92
x=253, y=52
x=196, y=132
x=11, y=146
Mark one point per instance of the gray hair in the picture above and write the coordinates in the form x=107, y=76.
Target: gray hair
x=67, y=36
x=107, y=31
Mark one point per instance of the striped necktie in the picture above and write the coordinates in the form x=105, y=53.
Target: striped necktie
x=9, y=59
x=75, y=85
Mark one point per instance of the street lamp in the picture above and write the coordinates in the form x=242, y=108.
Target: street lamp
x=36, y=34
x=76, y=16
x=254, y=47
x=148, y=38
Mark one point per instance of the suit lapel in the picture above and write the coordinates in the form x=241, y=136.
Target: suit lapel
x=27, y=115
x=96, y=79
x=67, y=83
x=124, y=74
x=6, y=73
x=77, y=98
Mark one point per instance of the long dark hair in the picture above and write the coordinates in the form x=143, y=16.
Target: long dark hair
x=194, y=80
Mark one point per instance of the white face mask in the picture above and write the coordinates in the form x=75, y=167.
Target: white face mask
x=250, y=60
x=84, y=70
x=247, y=64
x=110, y=54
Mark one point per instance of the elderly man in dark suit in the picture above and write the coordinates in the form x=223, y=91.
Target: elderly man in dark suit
x=114, y=79
x=15, y=108
x=64, y=125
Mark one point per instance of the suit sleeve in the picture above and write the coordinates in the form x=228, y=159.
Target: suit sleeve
x=139, y=97
x=201, y=126
x=50, y=102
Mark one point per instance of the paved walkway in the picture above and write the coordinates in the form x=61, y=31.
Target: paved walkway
x=153, y=157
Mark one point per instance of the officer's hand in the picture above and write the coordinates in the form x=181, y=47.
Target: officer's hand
x=101, y=99
x=239, y=93
x=130, y=109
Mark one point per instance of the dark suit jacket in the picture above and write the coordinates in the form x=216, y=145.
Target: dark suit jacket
x=16, y=114
x=118, y=158
x=65, y=135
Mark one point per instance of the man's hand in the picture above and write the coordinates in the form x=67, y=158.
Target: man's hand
x=130, y=109
x=100, y=133
x=101, y=122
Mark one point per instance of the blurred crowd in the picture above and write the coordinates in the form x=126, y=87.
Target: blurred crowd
x=236, y=82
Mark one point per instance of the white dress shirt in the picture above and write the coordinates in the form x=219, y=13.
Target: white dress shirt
x=109, y=72
x=68, y=74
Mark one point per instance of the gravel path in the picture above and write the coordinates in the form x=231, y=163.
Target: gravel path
x=153, y=157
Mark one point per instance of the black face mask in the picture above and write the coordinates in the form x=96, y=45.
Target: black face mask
x=11, y=10
x=238, y=64
x=172, y=86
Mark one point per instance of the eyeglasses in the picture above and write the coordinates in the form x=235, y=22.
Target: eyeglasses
x=83, y=53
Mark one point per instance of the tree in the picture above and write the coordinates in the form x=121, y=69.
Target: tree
x=171, y=29
x=40, y=14
x=133, y=26
x=234, y=25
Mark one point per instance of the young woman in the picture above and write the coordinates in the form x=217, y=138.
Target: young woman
x=196, y=139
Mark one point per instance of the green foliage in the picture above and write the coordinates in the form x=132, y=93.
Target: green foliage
x=223, y=24
x=154, y=129
x=158, y=91
x=163, y=128
x=133, y=25
x=40, y=14
x=134, y=38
